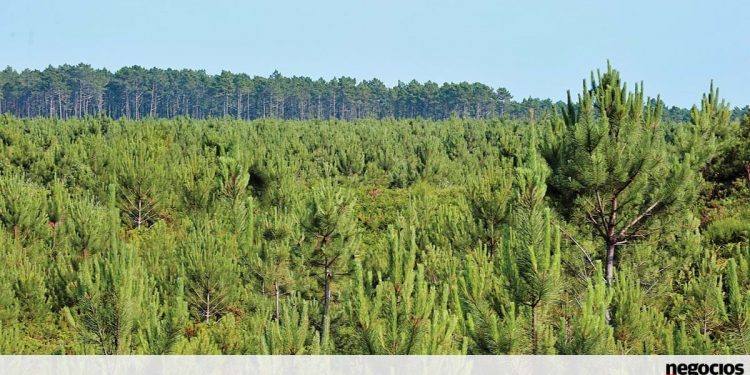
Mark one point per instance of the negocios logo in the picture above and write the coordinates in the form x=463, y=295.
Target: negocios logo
x=705, y=369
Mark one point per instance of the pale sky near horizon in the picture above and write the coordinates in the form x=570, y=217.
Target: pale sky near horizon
x=534, y=48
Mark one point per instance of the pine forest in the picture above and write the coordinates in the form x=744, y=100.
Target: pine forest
x=607, y=224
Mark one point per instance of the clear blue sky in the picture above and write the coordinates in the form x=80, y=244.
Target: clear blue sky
x=534, y=48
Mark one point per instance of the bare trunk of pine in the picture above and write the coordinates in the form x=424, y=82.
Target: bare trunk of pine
x=278, y=293
x=226, y=104
x=153, y=100
x=247, y=107
x=127, y=105
x=239, y=105
x=492, y=243
x=138, y=106
x=334, y=105
x=320, y=106
x=534, y=344
x=612, y=239
x=99, y=103
x=326, y=301
x=610, y=269
x=139, y=218
x=208, y=307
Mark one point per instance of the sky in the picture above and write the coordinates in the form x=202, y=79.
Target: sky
x=533, y=48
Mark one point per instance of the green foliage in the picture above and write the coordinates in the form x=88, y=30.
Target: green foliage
x=738, y=309
x=587, y=331
x=612, y=168
x=291, y=332
x=22, y=207
x=9, y=304
x=330, y=235
x=492, y=322
x=142, y=190
x=488, y=197
x=462, y=236
x=164, y=323
x=211, y=273
x=110, y=292
x=401, y=314
x=635, y=324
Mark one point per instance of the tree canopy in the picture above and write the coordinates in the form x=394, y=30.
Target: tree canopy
x=598, y=228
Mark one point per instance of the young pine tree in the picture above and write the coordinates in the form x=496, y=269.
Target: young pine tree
x=164, y=321
x=291, y=332
x=587, y=332
x=704, y=309
x=22, y=207
x=489, y=196
x=330, y=228
x=718, y=146
x=9, y=303
x=233, y=178
x=738, y=310
x=402, y=314
x=532, y=261
x=272, y=264
x=611, y=167
x=87, y=234
x=142, y=176
x=211, y=270
x=633, y=323
x=492, y=322
x=110, y=291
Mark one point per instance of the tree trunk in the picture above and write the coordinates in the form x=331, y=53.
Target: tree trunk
x=610, y=270
x=247, y=107
x=534, y=344
x=320, y=107
x=492, y=243
x=208, y=307
x=99, y=103
x=334, y=105
x=239, y=104
x=127, y=104
x=276, y=289
x=77, y=102
x=226, y=105
x=153, y=100
x=326, y=302
x=139, y=218
x=137, y=105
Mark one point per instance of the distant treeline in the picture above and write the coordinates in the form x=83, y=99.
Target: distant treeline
x=134, y=92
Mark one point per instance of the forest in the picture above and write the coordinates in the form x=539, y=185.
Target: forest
x=75, y=91
x=598, y=226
